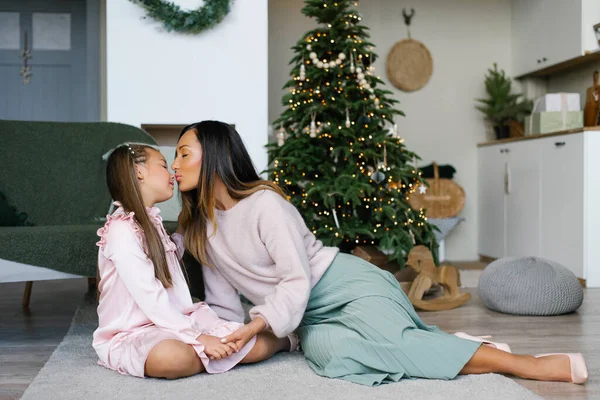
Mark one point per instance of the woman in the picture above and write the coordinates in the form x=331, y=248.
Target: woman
x=353, y=319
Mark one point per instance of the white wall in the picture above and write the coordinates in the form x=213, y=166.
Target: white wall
x=157, y=77
x=465, y=37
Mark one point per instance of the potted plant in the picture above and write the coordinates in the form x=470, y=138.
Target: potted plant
x=502, y=106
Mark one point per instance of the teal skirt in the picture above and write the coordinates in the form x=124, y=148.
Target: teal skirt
x=360, y=326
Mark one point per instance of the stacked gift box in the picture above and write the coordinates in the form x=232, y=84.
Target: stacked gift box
x=554, y=112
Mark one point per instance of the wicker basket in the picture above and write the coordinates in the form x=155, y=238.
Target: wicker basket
x=516, y=129
x=443, y=199
x=409, y=65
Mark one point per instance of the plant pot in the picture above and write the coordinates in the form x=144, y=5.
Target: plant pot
x=502, y=131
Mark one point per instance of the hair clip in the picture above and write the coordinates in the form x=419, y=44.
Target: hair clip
x=130, y=149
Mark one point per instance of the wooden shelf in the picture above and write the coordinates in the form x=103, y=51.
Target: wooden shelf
x=540, y=136
x=166, y=134
x=563, y=66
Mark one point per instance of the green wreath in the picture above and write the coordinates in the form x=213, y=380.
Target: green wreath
x=175, y=19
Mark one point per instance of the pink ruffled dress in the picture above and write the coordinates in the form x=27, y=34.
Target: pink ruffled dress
x=136, y=312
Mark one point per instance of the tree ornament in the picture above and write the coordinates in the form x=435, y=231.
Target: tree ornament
x=371, y=67
x=376, y=101
x=395, y=131
x=302, y=72
x=363, y=119
x=348, y=123
x=352, y=69
x=378, y=177
x=335, y=218
x=281, y=136
x=313, y=126
x=308, y=47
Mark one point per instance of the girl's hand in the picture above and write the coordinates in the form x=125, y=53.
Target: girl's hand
x=214, y=349
x=245, y=333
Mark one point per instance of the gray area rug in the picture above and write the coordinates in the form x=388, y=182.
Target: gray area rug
x=72, y=373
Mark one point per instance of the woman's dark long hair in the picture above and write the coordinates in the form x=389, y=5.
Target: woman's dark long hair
x=122, y=181
x=224, y=157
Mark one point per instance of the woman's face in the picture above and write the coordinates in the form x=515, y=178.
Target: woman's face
x=188, y=161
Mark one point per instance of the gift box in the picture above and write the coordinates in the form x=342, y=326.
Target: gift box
x=547, y=122
x=557, y=102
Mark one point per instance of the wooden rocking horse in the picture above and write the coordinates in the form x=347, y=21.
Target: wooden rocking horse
x=421, y=260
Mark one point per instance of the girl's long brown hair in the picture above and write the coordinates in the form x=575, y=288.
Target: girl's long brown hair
x=224, y=157
x=121, y=177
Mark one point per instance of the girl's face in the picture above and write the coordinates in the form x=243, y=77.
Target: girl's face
x=188, y=161
x=158, y=182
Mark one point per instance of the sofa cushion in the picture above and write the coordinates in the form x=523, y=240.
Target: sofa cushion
x=66, y=248
x=72, y=249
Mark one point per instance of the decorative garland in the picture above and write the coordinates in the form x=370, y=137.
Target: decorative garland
x=175, y=19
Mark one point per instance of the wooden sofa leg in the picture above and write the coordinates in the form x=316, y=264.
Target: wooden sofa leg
x=27, y=294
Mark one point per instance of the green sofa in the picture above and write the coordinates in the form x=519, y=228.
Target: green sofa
x=53, y=172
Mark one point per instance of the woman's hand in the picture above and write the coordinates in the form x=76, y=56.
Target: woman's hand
x=245, y=333
x=215, y=349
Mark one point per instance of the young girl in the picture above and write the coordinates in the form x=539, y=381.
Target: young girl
x=353, y=319
x=148, y=324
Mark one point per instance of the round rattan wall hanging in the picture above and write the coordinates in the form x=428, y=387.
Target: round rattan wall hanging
x=409, y=64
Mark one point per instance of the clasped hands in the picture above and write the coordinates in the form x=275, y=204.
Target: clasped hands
x=217, y=348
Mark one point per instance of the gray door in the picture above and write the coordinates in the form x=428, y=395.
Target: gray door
x=52, y=84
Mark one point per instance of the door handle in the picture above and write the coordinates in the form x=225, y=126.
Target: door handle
x=559, y=144
x=507, y=180
x=26, y=55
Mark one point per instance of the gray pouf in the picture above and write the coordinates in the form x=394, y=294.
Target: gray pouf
x=529, y=286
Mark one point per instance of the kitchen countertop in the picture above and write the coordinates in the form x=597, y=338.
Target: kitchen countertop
x=540, y=136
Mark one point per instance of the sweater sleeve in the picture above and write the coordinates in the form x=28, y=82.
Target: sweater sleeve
x=221, y=296
x=136, y=270
x=281, y=233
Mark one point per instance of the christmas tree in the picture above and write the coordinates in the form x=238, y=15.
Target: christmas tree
x=338, y=153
